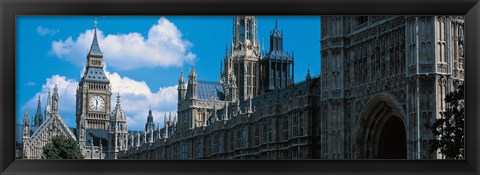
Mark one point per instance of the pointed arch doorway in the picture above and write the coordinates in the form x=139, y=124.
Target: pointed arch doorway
x=382, y=134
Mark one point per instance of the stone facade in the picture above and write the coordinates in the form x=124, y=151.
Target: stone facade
x=54, y=125
x=254, y=111
x=383, y=79
x=101, y=134
x=381, y=72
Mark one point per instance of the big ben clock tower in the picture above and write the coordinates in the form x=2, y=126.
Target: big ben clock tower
x=93, y=94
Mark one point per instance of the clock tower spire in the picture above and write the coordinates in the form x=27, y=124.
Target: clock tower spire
x=93, y=92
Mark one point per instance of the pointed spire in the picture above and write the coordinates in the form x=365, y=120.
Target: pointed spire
x=165, y=118
x=118, y=98
x=308, y=72
x=233, y=31
x=55, y=100
x=226, y=49
x=95, y=48
x=170, y=117
x=194, y=73
x=49, y=102
x=150, y=111
x=181, y=80
x=55, y=90
x=48, y=107
x=149, y=126
x=38, y=116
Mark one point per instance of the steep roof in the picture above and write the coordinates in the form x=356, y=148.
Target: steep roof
x=95, y=48
x=207, y=89
x=96, y=74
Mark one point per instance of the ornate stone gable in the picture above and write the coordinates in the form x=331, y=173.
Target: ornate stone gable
x=53, y=126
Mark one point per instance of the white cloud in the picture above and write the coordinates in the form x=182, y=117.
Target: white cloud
x=162, y=47
x=136, y=98
x=46, y=31
x=66, y=91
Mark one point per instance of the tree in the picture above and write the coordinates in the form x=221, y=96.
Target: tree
x=62, y=147
x=449, y=129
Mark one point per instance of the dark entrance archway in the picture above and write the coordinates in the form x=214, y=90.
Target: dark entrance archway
x=381, y=133
x=393, y=140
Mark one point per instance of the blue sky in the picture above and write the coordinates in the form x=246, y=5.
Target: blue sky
x=144, y=56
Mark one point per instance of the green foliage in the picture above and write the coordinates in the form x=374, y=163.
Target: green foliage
x=62, y=147
x=450, y=129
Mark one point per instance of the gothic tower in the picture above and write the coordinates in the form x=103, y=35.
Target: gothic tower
x=332, y=85
x=149, y=126
x=118, y=131
x=26, y=135
x=48, y=107
x=93, y=92
x=182, y=88
x=244, y=59
x=38, y=116
x=55, y=99
x=192, y=84
x=277, y=66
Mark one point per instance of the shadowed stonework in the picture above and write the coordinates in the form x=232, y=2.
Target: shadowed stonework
x=383, y=80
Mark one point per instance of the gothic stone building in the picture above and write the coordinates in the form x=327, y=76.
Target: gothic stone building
x=254, y=111
x=383, y=79
x=101, y=134
x=36, y=136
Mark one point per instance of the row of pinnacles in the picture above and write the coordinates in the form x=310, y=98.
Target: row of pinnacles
x=250, y=83
x=35, y=136
x=96, y=140
x=201, y=105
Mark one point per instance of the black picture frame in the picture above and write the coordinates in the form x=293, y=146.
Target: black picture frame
x=11, y=8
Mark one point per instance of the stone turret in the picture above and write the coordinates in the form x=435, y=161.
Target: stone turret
x=26, y=135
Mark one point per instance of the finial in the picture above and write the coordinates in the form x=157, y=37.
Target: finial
x=308, y=71
x=276, y=23
x=95, y=22
x=118, y=97
x=221, y=63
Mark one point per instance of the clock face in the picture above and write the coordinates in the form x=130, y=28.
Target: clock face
x=96, y=103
